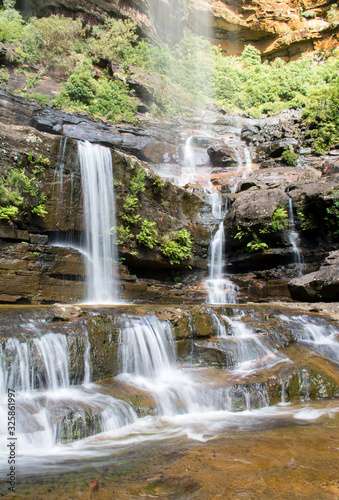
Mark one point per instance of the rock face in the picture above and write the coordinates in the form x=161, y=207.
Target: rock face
x=320, y=285
x=283, y=29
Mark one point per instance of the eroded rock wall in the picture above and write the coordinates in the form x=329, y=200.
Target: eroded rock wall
x=285, y=29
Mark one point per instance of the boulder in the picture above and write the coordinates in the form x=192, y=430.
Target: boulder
x=320, y=285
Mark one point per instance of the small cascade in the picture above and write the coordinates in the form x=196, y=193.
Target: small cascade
x=220, y=289
x=315, y=333
x=49, y=409
x=248, y=159
x=252, y=352
x=293, y=238
x=40, y=364
x=99, y=213
x=148, y=361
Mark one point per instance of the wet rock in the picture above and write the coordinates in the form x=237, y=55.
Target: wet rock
x=11, y=233
x=222, y=155
x=38, y=239
x=320, y=285
x=39, y=273
x=253, y=211
x=103, y=335
x=62, y=312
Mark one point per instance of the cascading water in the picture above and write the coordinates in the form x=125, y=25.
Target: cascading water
x=65, y=421
x=293, y=237
x=49, y=409
x=315, y=333
x=220, y=289
x=252, y=352
x=99, y=213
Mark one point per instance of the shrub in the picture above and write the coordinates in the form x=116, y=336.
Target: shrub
x=51, y=41
x=11, y=23
x=179, y=247
x=280, y=219
x=148, y=234
x=20, y=191
x=290, y=156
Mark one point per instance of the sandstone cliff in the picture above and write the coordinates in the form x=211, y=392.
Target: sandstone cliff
x=281, y=28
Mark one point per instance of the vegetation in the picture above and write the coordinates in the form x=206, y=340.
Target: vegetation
x=252, y=242
x=192, y=73
x=20, y=191
x=178, y=247
x=148, y=235
x=290, y=156
x=259, y=239
x=280, y=219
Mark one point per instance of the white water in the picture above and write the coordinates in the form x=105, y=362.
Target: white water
x=253, y=351
x=99, y=218
x=315, y=333
x=51, y=412
x=220, y=289
x=293, y=238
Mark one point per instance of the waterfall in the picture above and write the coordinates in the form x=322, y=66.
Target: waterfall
x=49, y=409
x=99, y=217
x=315, y=333
x=252, y=352
x=293, y=238
x=220, y=289
x=148, y=361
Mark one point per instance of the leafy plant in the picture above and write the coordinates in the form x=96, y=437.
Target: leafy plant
x=158, y=185
x=178, y=247
x=20, y=191
x=137, y=184
x=332, y=219
x=148, y=234
x=289, y=156
x=280, y=219
x=124, y=235
x=307, y=222
x=256, y=244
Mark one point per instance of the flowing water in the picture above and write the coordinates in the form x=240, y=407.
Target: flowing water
x=99, y=214
x=220, y=289
x=58, y=421
x=293, y=238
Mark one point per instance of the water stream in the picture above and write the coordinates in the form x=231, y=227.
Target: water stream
x=99, y=214
x=60, y=420
x=293, y=238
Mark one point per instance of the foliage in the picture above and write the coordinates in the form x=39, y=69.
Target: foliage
x=114, y=40
x=333, y=13
x=256, y=244
x=137, y=184
x=34, y=96
x=124, y=235
x=158, y=185
x=51, y=41
x=280, y=219
x=178, y=247
x=11, y=23
x=332, y=219
x=322, y=116
x=190, y=74
x=148, y=234
x=289, y=156
x=105, y=98
x=20, y=191
x=307, y=222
